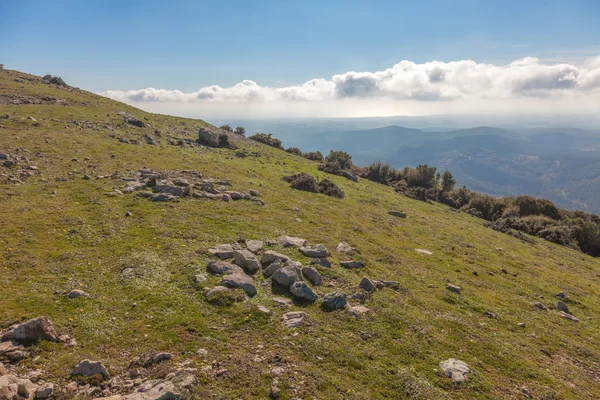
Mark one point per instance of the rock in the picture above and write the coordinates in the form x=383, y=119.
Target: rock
x=32, y=331
x=263, y=309
x=323, y=262
x=290, y=241
x=128, y=214
x=387, y=284
x=254, y=193
x=334, y=301
x=215, y=291
x=199, y=278
x=358, y=311
x=222, y=251
x=286, y=276
x=160, y=357
x=562, y=306
x=366, y=284
x=269, y=256
x=208, y=137
x=15, y=388
x=44, y=391
x=426, y=252
x=247, y=260
x=171, y=189
x=223, y=268
x=399, y=214
x=490, y=314
x=540, y=306
x=316, y=250
x=90, y=368
x=455, y=369
x=254, y=246
x=235, y=195
x=181, y=182
x=226, y=198
x=163, y=197
x=312, y=275
x=76, y=293
x=202, y=352
x=453, y=288
x=270, y=270
x=3, y=370
x=303, y=291
x=275, y=392
x=151, y=390
x=240, y=280
x=344, y=248
x=352, y=264
x=561, y=295
x=569, y=316
x=282, y=301
x=11, y=351
x=294, y=319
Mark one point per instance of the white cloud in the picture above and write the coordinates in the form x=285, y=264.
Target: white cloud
x=459, y=82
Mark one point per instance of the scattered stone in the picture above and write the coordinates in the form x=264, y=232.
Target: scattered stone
x=202, y=352
x=358, y=311
x=569, y=316
x=15, y=388
x=303, y=291
x=316, y=250
x=561, y=295
x=32, y=331
x=3, y=370
x=286, y=276
x=269, y=256
x=490, y=314
x=199, y=278
x=157, y=358
x=367, y=285
x=247, y=260
x=453, y=288
x=90, y=368
x=399, y=214
x=223, y=268
x=282, y=301
x=456, y=370
x=270, y=270
x=254, y=193
x=76, y=293
x=540, y=306
x=562, y=306
x=263, y=309
x=323, y=262
x=254, y=246
x=294, y=319
x=163, y=197
x=426, y=252
x=312, y=275
x=128, y=214
x=290, y=241
x=222, y=251
x=240, y=280
x=344, y=248
x=352, y=264
x=521, y=324
x=275, y=392
x=334, y=301
x=387, y=284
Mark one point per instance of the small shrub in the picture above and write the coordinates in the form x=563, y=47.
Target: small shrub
x=294, y=150
x=303, y=181
x=341, y=158
x=226, y=128
x=240, y=130
x=227, y=298
x=223, y=140
x=314, y=155
x=268, y=139
x=329, y=188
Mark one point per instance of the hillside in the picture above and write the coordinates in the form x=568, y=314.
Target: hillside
x=69, y=223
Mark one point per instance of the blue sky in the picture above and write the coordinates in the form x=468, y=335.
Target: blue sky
x=185, y=45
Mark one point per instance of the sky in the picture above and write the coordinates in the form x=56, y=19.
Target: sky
x=315, y=58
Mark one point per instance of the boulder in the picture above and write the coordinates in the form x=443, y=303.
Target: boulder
x=561, y=295
x=323, y=262
x=352, y=264
x=247, y=260
x=358, y=311
x=454, y=369
x=562, y=306
x=254, y=246
x=222, y=251
x=208, y=137
x=240, y=280
x=223, y=268
x=312, y=275
x=344, y=248
x=286, y=276
x=76, y=293
x=174, y=190
x=90, y=368
x=290, y=241
x=294, y=319
x=316, y=250
x=302, y=291
x=270, y=270
x=398, y=214
x=453, y=288
x=366, y=284
x=45, y=391
x=334, y=301
x=568, y=316
x=32, y=331
x=269, y=256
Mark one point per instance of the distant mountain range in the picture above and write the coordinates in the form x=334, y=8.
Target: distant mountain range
x=561, y=164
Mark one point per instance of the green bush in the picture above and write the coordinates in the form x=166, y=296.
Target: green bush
x=268, y=139
x=341, y=158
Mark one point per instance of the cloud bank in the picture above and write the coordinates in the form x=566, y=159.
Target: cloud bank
x=405, y=86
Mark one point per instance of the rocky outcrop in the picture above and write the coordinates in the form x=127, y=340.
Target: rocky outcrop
x=32, y=331
x=90, y=368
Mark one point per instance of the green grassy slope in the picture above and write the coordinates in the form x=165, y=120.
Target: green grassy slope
x=57, y=234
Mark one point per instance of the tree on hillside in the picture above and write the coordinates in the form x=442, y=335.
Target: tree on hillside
x=341, y=158
x=240, y=130
x=226, y=128
x=422, y=176
x=448, y=181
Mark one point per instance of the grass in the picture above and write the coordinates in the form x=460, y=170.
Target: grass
x=79, y=237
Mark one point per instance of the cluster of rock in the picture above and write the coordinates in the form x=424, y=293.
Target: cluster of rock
x=561, y=307
x=16, y=168
x=169, y=186
x=214, y=138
